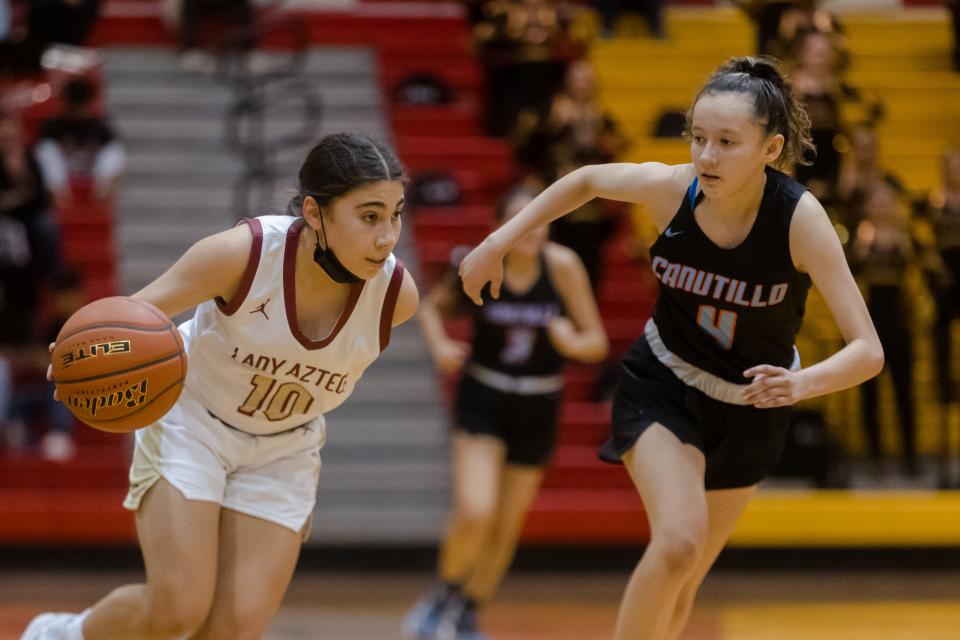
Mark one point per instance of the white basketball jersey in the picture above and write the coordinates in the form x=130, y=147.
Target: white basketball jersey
x=250, y=364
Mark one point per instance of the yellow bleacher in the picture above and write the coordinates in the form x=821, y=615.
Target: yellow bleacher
x=902, y=57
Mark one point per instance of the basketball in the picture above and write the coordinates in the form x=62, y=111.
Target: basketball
x=119, y=364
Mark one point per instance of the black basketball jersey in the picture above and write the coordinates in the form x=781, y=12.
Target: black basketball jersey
x=510, y=333
x=726, y=310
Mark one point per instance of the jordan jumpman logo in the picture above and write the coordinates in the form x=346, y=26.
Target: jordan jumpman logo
x=262, y=309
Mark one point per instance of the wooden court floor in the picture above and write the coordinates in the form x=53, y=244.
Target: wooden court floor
x=565, y=605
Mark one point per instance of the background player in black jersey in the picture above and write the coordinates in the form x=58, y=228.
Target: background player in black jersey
x=506, y=412
x=701, y=408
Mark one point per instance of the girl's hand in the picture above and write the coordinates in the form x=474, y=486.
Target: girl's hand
x=772, y=387
x=56, y=394
x=482, y=265
x=450, y=355
x=562, y=333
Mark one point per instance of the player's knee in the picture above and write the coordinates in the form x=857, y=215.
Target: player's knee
x=173, y=615
x=476, y=513
x=680, y=546
x=245, y=623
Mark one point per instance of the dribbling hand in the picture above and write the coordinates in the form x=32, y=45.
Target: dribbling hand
x=772, y=387
x=56, y=394
x=482, y=265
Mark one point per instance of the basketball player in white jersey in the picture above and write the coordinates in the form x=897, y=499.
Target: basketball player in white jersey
x=290, y=311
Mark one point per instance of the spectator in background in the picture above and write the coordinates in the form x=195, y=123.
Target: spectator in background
x=197, y=16
x=779, y=22
x=650, y=10
x=45, y=22
x=17, y=313
x=81, y=144
x=524, y=47
x=575, y=131
x=881, y=254
x=24, y=210
x=817, y=80
x=861, y=171
x=63, y=21
x=24, y=213
x=945, y=215
x=30, y=401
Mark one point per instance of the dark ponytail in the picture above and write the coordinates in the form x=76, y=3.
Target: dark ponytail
x=341, y=162
x=775, y=105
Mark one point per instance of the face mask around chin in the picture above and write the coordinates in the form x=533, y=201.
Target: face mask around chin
x=329, y=262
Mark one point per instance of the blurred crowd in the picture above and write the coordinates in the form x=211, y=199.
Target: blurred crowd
x=59, y=159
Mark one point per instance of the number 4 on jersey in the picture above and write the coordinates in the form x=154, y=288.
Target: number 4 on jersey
x=721, y=326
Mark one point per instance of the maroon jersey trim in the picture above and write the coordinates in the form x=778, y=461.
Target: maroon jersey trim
x=290, y=293
x=389, y=304
x=230, y=308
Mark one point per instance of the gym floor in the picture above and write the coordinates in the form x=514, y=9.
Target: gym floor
x=871, y=604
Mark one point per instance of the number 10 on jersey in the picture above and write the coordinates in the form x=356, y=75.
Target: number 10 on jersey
x=281, y=401
x=718, y=323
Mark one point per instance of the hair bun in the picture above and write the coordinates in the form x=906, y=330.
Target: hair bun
x=763, y=68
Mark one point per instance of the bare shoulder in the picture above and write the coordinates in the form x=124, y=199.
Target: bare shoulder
x=561, y=258
x=668, y=185
x=408, y=300
x=234, y=243
x=566, y=269
x=657, y=175
x=812, y=236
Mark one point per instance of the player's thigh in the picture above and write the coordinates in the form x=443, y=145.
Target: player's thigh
x=179, y=539
x=724, y=508
x=256, y=562
x=669, y=475
x=477, y=463
x=518, y=488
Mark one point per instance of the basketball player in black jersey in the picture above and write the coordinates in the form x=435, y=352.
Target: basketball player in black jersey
x=701, y=407
x=506, y=412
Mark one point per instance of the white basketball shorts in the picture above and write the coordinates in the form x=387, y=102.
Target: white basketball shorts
x=269, y=477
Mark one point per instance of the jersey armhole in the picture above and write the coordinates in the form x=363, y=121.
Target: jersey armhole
x=390, y=304
x=692, y=193
x=230, y=308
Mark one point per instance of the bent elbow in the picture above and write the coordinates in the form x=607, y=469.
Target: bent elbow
x=603, y=349
x=598, y=353
x=876, y=359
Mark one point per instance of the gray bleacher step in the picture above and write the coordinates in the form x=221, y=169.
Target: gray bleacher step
x=210, y=96
x=368, y=432
x=370, y=476
x=388, y=527
x=333, y=60
x=195, y=197
x=215, y=109
x=204, y=131
x=137, y=117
